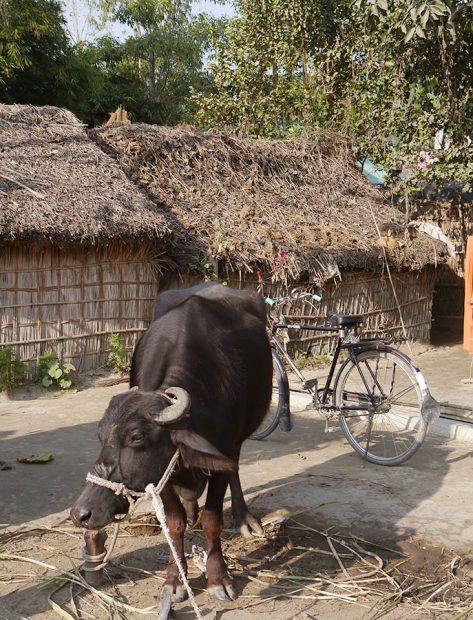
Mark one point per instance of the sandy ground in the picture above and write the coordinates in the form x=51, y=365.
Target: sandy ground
x=420, y=510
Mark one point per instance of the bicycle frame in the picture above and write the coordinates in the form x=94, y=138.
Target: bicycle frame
x=351, y=347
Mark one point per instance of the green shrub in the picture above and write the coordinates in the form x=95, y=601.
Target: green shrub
x=204, y=268
x=116, y=357
x=51, y=372
x=312, y=361
x=12, y=371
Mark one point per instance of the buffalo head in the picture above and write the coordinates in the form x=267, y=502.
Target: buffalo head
x=139, y=433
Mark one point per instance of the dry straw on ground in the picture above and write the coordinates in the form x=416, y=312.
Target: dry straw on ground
x=246, y=201
x=294, y=564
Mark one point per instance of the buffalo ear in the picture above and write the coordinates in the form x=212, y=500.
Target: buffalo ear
x=198, y=452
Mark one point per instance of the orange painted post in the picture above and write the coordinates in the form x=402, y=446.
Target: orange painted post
x=468, y=319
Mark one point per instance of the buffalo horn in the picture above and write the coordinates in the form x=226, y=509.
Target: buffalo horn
x=178, y=409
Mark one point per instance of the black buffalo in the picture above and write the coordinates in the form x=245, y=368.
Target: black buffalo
x=208, y=347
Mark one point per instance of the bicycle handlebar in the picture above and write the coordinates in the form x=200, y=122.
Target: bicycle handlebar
x=295, y=295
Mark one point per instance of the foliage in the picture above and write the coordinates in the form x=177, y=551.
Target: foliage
x=50, y=371
x=266, y=66
x=38, y=64
x=12, y=371
x=389, y=74
x=204, y=267
x=406, y=78
x=160, y=62
x=150, y=73
x=23, y=23
x=116, y=357
x=311, y=361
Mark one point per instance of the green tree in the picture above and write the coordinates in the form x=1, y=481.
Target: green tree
x=390, y=74
x=38, y=64
x=164, y=54
x=266, y=67
x=405, y=78
x=22, y=24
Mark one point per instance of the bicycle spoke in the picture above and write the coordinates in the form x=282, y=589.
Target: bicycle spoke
x=391, y=430
x=402, y=392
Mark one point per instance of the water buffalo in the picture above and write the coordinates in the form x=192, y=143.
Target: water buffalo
x=208, y=348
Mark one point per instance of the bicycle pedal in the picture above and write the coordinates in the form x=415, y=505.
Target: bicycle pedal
x=309, y=384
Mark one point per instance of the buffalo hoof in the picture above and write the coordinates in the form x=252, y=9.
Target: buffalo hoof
x=165, y=601
x=224, y=592
x=251, y=526
x=176, y=594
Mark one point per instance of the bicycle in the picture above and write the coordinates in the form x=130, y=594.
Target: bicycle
x=380, y=397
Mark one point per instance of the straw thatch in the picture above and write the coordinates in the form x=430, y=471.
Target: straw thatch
x=56, y=185
x=248, y=203
x=79, y=242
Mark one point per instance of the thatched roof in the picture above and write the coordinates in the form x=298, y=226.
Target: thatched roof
x=251, y=202
x=57, y=185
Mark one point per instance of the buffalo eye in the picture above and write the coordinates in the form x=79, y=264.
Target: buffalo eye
x=136, y=438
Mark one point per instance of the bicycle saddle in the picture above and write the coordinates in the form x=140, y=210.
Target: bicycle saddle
x=344, y=320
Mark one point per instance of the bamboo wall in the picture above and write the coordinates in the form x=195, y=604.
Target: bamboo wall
x=358, y=293
x=371, y=296
x=69, y=301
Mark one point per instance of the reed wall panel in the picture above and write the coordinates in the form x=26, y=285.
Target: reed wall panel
x=69, y=301
x=357, y=293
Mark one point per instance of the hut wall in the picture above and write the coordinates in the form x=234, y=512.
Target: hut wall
x=358, y=293
x=456, y=221
x=69, y=301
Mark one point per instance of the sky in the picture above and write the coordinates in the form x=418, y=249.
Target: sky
x=77, y=13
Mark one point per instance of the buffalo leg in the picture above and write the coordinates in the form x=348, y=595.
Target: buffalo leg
x=218, y=581
x=176, y=521
x=95, y=546
x=192, y=511
x=244, y=520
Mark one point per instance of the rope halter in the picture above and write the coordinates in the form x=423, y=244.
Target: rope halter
x=153, y=492
x=119, y=488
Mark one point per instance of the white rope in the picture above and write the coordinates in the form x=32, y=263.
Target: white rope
x=153, y=492
x=159, y=510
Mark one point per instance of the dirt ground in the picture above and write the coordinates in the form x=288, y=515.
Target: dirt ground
x=342, y=520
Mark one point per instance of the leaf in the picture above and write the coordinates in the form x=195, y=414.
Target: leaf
x=46, y=382
x=409, y=34
x=420, y=32
x=425, y=18
x=65, y=384
x=67, y=368
x=41, y=457
x=52, y=369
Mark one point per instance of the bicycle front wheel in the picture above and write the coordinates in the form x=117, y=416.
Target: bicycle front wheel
x=391, y=428
x=271, y=419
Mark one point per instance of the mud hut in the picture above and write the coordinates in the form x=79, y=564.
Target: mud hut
x=80, y=244
x=296, y=211
x=449, y=208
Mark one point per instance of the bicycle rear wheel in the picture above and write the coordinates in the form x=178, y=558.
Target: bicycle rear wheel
x=271, y=419
x=393, y=428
